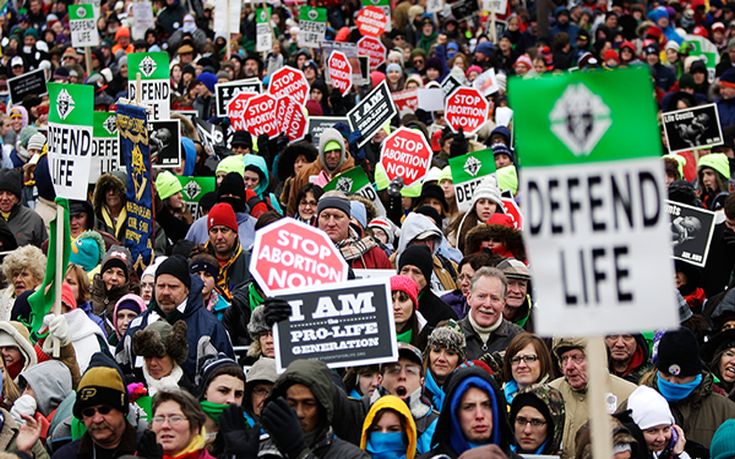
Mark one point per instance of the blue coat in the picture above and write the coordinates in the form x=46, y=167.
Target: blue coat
x=726, y=110
x=199, y=234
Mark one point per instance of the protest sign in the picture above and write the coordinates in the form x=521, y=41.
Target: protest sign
x=466, y=108
x=495, y=6
x=263, y=34
x=291, y=254
x=430, y=99
x=691, y=232
x=236, y=110
x=371, y=21
x=312, y=26
x=593, y=199
x=70, y=132
x=374, y=49
x=143, y=18
x=464, y=9
x=374, y=273
x=705, y=50
x=514, y=212
x=105, y=145
x=225, y=92
x=133, y=129
x=343, y=325
x=407, y=154
x=450, y=84
x=340, y=72
x=260, y=116
x=289, y=82
x=83, y=26
x=692, y=128
x=435, y=6
x=406, y=101
x=372, y=113
x=486, y=82
x=350, y=50
x=468, y=171
x=33, y=82
x=384, y=5
x=291, y=118
x=234, y=14
x=155, y=85
x=356, y=181
x=193, y=189
x=165, y=143
x=317, y=125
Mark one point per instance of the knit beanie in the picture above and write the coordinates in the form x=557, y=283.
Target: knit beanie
x=358, y=212
x=167, y=185
x=678, y=353
x=130, y=302
x=232, y=184
x=450, y=337
x=67, y=296
x=402, y=283
x=117, y=257
x=222, y=215
x=211, y=367
x=649, y=408
x=101, y=384
x=176, y=266
x=233, y=163
x=206, y=263
x=502, y=149
x=488, y=189
x=257, y=325
x=37, y=141
x=393, y=67
x=10, y=180
x=384, y=225
x=242, y=139
x=161, y=338
x=716, y=161
x=723, y=442
x=530, y=399
x=514, y=269
x=334, y=202
x=208, y=79
x=420, y=257
x=88, y=250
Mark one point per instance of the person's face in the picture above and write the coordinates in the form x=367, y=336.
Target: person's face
x=146, y=288
x=306, y=406
x=112, y=198
x=77, y=224
x=113, y=277
x=251, y=68
x=448, y=188
x=414, y=273
x=486, y=301
x=388, y=422
x=310, y=73
x=476, y=415
x=159, y=367
x=727, y=366
x=266, y=344
x=672, y=55
x=335, y=223
x=394, y=76
x=316, y=95
x=24, y=280
x=626, y=55
x=260, y=393
x=403, y=378
x=432, y=74
x=124, y=317
x=485, y=209
x=208, y=282
x=222, y=239
x=698, y=77
x=435, y=203
x=442, y=362
x=402, y=307
x=622, y=347
x=503, y=160
x=226, y=390
x=332, y=158
x=368, y=382
x=307, y=206
x=725, y=91
x=300, y=61
x=530, y=436
x=252, y=179
x=539, y=67
x=652, y=59
x=657, y=437
x=173, y=430
x=418, y=63
x=709, y=179
x=7, y=201
x=29, y=40
x=170, y=292
x=465, y=279
x=106, y=429
x=11, y=355
x=574, y=368
x=300, y=162
x=517, y=291
x=71, y=279
x=525, y=366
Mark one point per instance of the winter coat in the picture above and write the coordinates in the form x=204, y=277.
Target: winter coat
x=27, y=226
x=237, y=317
x=103, y=221
x=262, y=189
x=86, y=337
x=726, y=110
x=577, y=409
x=84, y=447
x=498, y=340
x=9, y=432
x=720, y=259
x=51, y=383
x=433, y=309
x=205, y=334
x=457, y=301
x=199, y=233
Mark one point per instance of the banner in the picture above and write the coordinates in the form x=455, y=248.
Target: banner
x=312, y=26
x=343, y=325
x=155, y=85
x=33, y=82
x=317, y=125
x=596, y=228
x=375, y=110
x=692, y=128
x=70, y=131
x=468, y=171
x=143, y=19
x=133, y=129
x=83, y=26
x=193, y=189
x=450, y=84
x=356, y=181
x=105, y=145
x=691, y=232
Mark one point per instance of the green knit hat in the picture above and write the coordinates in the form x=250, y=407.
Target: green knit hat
x=723, y=443
x=167, y=185
x=716, y=161
x=234, y=163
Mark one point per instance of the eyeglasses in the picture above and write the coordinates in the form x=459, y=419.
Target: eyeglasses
x=535, y=423
x=103, y=410
x=413, y=370
x=261, y=391
x=172, y=420
x=308, y=203
x=524, y=358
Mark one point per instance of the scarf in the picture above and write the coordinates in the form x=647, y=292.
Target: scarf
x=435, y=391
x=117, y=224
x=510, y=389
x=386, y=445
x=213, y=410
x=484, y=332
x=222, y=286
x=172, y=317
x=194, y=448
x=352, y=249
x=674, y=392
x=405, y=337
x=170, y=382
x=254, y=296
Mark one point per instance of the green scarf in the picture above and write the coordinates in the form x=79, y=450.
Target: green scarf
x=213, y=410
x=406, y=336
x=256, y=299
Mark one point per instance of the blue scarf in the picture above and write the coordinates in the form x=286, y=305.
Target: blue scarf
x=436, y=392
x=674, y=392
x=457, y=440
x=386, y=445
x=510, y=390
x=539, y=451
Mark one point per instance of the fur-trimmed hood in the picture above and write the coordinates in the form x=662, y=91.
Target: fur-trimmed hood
x=103, y=183
x=161, y=338
x=510, y=237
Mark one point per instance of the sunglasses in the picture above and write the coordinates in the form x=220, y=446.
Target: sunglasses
x=103, y=410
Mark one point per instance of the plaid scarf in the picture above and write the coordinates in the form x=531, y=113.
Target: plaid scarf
x=222, y=279
x=353, y=248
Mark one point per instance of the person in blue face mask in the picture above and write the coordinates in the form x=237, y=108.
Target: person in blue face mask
x=389, y=431
x=688, y=389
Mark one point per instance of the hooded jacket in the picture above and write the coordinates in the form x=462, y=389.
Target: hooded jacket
x=205, y=334
x=396, y=404
x=51, y=383
x=86, y=337
x=262, y=189
x=19, y=334
x=550, y=398
x=102, y=218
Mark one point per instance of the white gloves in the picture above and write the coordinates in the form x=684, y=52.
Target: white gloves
x=58, y=330
x=24, y=405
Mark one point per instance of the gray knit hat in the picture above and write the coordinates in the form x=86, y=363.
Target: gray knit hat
x=450, y=337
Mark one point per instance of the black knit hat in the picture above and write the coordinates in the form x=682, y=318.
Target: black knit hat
x=10, y=180
x=176, y=266
x=678, y=353
x=530, y=399
x=242, y=139
x=432, y=191
x=211, y=368
x=420, y=257
x=334, y=202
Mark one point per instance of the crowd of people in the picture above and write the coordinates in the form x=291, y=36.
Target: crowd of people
x=177, y=361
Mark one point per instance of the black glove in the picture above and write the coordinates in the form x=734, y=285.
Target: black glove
x=282, y=424
x=148, y=447
x=395, y=187
x=239, y=439
x=276, y=310
x=459, y=146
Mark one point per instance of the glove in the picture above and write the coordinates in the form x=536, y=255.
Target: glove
x=276, y=310
x=148, y=447
x=239, y=439
x=395, y=187
x=282, y=424
x=459, y=146
x=24, y=405
x=58, y=329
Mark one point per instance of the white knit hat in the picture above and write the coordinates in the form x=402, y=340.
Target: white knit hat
x=488, y=189
x=36, y=141
x=649, y=408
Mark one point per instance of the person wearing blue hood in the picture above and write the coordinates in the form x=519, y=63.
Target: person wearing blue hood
x=484, y=54
x=660, y=16
x=204, y=103
x=563, y=24
x=473, y=416
x=256, y=178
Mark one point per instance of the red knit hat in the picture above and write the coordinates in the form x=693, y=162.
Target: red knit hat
x=406, y=285
x=67, y=296
x=222, y=214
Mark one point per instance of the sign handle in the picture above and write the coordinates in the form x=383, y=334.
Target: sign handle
x=493, y=29
x=59, y=272
x=137, y=88
x=88, y=60
x=596, y=398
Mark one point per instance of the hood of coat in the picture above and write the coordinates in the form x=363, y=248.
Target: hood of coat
x=51, y=383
